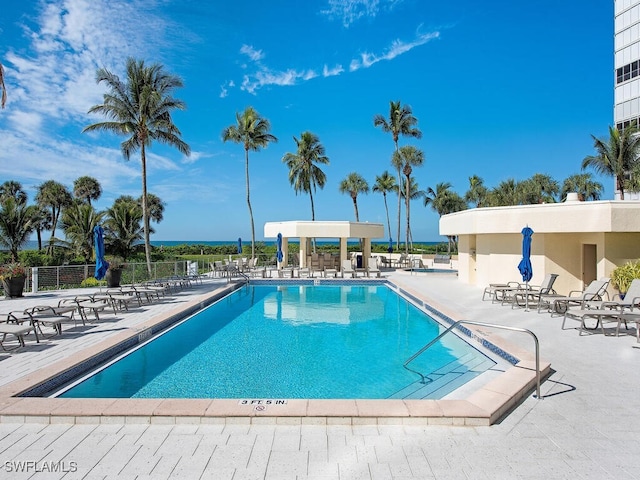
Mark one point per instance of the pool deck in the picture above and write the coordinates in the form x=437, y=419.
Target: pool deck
x=586, y=425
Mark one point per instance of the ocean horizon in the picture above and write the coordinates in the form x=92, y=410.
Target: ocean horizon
x=33, y=244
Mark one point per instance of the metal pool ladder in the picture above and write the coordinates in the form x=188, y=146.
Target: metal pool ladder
x=481, y=324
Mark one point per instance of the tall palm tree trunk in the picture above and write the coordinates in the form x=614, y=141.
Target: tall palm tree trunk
x=145, y=210
x=406, y=208
x=253, y=231
x=386, y=207
x=399, y=210
x=355, y=207
x=313, y=218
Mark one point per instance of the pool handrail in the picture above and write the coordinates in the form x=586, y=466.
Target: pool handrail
x=480, y=324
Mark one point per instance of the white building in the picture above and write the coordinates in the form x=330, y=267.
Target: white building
x=627, y=68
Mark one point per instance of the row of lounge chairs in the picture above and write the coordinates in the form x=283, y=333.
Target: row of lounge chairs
x=229, y=269
x=15, y=326
x=591, y=307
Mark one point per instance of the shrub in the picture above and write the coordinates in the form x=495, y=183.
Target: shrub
x=622, y=276
x=92, y=282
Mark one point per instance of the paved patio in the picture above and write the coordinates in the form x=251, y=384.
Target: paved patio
x=586, y=426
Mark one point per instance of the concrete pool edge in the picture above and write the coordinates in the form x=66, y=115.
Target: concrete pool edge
x=485, y=406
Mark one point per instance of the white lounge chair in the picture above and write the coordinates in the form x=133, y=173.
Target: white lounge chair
x=596, y=290
x=534, y=295
x=15, y=329
x=372, y=267
x=347, y=269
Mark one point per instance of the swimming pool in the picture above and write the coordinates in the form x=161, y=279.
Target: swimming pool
x=292, y=341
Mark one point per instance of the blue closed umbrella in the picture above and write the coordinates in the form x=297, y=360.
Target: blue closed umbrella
x=239, y=245
x=390, y=247
x=101, y=263
x=525, y=264
x=526, y=270
x=279, y=255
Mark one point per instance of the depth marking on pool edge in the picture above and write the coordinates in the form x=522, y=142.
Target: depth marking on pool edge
x=262, y=402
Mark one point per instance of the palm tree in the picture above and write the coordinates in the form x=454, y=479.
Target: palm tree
x=140, y=109
x=87, y=189
x=539, y=188
x=444, y=201
x=77, y=223
x=386, y=183
x=156, y=207
x=508, y=192
x=584, y=185
x=3, y=98
x=354, y=184
x=252, y=131
x=616, y=156
x=405, y=159
x=56, y=197
x=123, y=229
x=13, y=189
x=304, y=174
x=414, y=194
x=477, y=193
x=42, y=221
x=16, y=224
x=400, y=122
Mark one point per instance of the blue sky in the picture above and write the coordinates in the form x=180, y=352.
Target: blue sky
x=501, y=89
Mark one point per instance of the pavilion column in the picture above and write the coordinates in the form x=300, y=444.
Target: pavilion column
x=366, y=252
x=285, y=252
x=304, y=250
x=343, y=250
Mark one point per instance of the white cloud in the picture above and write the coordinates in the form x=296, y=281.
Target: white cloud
x=332, y=72
x=52, y=85
x=252, y=53
x=264, y=77
x=350, y=11
x=397, y=47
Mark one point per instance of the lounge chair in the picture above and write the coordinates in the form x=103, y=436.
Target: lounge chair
x=16, y=329
x=534, y=295
x=596, y=290
x=372, y=267
x=347, y=269
x=601, y=312
x=45, y=315
x=495, y=289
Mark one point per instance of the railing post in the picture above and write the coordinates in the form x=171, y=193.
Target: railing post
x=34, y=279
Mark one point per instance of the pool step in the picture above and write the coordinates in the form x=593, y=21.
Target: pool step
x=446, y=379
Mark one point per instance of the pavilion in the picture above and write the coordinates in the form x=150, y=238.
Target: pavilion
x=306, y=230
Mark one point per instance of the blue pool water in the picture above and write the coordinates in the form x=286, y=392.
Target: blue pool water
x=268, y=341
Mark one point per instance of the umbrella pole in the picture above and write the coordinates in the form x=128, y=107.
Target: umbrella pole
x=526, y=296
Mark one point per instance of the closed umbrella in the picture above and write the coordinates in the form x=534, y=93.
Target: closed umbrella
x=279, y=255
x=239, y=245
x=101, y=263
x=526, y=270
x=390, y=247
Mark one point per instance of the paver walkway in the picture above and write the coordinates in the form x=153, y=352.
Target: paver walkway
x=587, y=426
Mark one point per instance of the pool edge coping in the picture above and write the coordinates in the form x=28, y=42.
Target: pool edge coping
x=484, y=406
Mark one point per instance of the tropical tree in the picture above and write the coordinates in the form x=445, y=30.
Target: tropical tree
x=12, y=189
x=354, y=184
x=444, y=201
x=386, y=183
x=123, y=228
x=87, y=189
x=477, y=193
x=77, y=222
x=584, y=185
x=404, y=159
x=616, y=156
x=304, y=173
x=56, y=197
x=140, y=109
x=414, y=194
x=3, y=98
x=42, y=221
x=252, y=131
x=16, y=224
x=156, y=207
x=539, y=188
x=508, y=192
x=400, y=122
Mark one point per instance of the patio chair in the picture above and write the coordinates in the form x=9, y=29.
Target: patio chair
x=347, y=268
x=534, y=295
x=45, y=315
x=596, y=290
x=372, y=267
x=601, y=312
x=16, y=329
